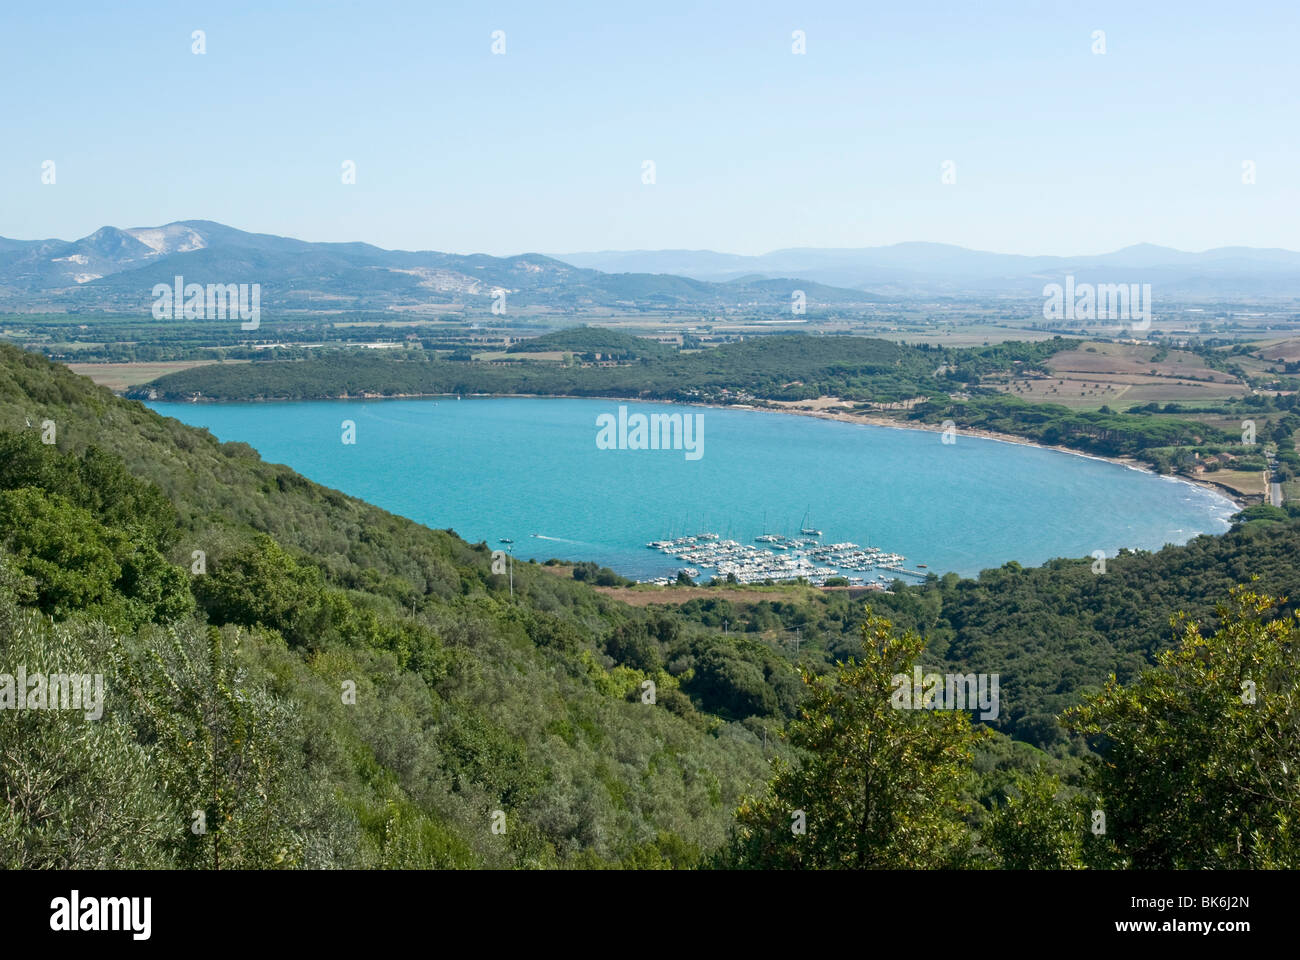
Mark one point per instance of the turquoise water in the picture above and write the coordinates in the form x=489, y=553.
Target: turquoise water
x=530, y=470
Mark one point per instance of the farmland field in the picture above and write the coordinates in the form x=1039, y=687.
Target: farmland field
x=120, y=376
x=1124, y=375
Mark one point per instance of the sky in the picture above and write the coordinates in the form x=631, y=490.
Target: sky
x=1053, y=148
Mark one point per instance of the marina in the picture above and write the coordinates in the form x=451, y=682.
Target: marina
x=781, y=558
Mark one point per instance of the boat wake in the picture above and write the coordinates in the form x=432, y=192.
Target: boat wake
x=579, y=543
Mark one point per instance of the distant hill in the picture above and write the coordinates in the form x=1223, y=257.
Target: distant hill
x=116, y=269
x=788, y=366
x=930, y=269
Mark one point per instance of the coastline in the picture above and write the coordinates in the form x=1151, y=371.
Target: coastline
x=880, y=420
x=826, y=413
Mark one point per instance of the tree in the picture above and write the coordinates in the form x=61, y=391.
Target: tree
x=70, y=556
x=1035, y=830
x=227, y=748
x=260, y=584
x=77, y=791
x=78, y=563
x=875, y=786
x=1200, y=763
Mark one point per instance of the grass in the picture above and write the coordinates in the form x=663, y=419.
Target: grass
x=1243, y=481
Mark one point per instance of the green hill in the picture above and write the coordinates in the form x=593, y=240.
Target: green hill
x=583, y=340
x=782, y=367
x=466, y=702
x=294, y=678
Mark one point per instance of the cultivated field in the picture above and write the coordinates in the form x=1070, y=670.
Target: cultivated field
x=555, y=355
x=1133, y=358
x=1123, y=375
x=120, y=376
x=1285, y=351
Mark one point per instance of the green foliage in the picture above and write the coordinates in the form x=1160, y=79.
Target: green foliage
x=1199, y=767
x=261, y=585
x=95, y=481
x=613, y=344
x=878, y=786
x=466, y=702
x=88, y=533
x=1035, y=829
x=589, y=572
x=226, y=750
x=1106, y=433
x=75, y=791
x=779, y=367
x=79, y=564
x=1261, y=512
x=1056, y=631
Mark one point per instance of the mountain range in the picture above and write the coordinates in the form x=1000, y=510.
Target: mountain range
x=116, y=269
x=938, y=269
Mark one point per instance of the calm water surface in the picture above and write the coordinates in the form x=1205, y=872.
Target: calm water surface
x=529, y=470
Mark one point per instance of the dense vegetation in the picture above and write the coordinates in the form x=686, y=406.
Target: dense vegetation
x=465, y=703
x=1199, y=769
x=589, y=341
x=294, y=678
x=1051, y=632
x=788, y=367
x=1103, y=432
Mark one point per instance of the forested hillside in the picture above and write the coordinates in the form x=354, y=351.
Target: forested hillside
x=293, y=678
x=466, y=703
x=788, y=367
x=1050, y=632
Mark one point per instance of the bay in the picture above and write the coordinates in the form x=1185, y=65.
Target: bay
x=529, y=470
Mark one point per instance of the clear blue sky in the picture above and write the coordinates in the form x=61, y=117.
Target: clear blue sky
x=1057, y=150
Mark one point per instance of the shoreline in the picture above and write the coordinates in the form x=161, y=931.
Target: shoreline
x=840, y=415
x=880, y=420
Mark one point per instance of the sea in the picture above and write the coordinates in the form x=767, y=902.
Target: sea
x=527, y=475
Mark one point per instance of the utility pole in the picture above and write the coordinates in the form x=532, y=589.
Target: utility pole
x=512, y=571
